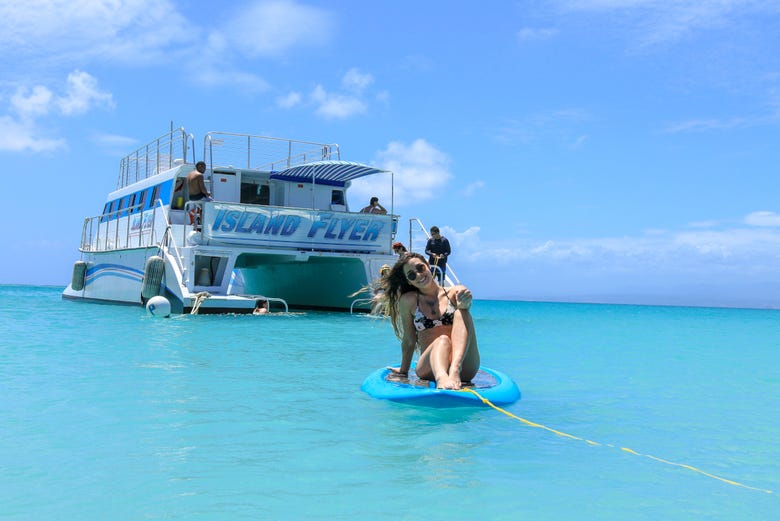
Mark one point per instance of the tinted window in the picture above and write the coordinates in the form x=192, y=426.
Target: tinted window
x=155, y=196
x=139, y=201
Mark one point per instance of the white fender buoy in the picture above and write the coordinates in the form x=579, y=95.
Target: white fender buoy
x=79, y=275
x=204, y=277
x=159, y=306
x=153, y=274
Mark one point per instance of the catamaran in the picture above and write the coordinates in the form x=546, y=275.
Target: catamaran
x=278, y=228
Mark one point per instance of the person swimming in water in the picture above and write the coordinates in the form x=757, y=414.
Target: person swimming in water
x=433, y=320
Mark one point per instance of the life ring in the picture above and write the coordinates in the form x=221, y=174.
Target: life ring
x=194, y=215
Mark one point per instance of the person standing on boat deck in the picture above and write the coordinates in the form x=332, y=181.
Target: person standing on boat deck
x=438, y=249
x=196, y=184
x=374, y=207
x=399, y=248
x=435, y=321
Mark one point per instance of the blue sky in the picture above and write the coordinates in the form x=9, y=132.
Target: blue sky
x=587, y=150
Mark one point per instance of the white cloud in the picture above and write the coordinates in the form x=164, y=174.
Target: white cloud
x=20, y=129
x=351, y=101
x=114, y=141
x=82, y=93
x=763, y=218
x=535, y=33
x=704, y=125
x=346, y=104
x=356, y=81
x=649, y=23
x=383, y=97
x=58, y=31
x=470, y=236
x=472, y=188
x=292, y=99
x=579, y=142
x=420, y=173
x=224, y=75
x=37, y=103
x=336, y=106
x=561, y=126
x=49, y=33
x=18, y=136
x=736, y=251
x=271, y=28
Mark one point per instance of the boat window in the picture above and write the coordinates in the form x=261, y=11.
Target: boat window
x=252, y=193
x=131, y=203
x=337, y=197
x=155, y=196
x=165, y=191
x=106, y=210
x=122, y=206
x=139, y=201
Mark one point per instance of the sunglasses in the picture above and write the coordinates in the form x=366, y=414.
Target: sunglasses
x=412, y=275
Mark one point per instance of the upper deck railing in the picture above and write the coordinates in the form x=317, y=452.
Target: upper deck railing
x=222, y=149
x=156, y=156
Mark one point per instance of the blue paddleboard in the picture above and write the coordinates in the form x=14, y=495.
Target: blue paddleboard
x=492, y=385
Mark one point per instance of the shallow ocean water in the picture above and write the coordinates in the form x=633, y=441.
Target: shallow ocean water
x=108, y=412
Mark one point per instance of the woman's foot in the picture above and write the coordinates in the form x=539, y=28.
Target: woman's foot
x=448, y=382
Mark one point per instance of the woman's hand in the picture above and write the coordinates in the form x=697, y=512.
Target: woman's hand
x=396, y=371
x=463, y=298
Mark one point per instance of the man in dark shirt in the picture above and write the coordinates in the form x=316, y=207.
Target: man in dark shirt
x=438, y=249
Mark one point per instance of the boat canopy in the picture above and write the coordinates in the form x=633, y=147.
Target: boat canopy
x=333, y=173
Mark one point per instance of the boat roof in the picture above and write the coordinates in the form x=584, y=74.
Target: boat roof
x=335, y=173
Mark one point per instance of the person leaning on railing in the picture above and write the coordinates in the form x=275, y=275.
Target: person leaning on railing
x=196, y=184
x=374, y=207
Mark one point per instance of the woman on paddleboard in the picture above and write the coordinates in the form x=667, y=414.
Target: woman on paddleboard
x=434, y=320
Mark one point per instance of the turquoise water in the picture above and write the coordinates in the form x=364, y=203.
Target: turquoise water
x=108, y=413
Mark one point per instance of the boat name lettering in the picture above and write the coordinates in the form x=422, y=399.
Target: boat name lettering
x=326, y=225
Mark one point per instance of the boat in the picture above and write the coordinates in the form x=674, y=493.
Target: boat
x=278, y=227
x=488, y=384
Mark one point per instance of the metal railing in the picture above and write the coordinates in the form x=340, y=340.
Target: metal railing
x=123, y=229
x=223, y=149
x=156, y=156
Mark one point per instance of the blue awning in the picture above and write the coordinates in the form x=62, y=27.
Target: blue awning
x=333, y=173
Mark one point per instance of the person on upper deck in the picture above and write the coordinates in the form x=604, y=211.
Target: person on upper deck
x=435, y=321
x=196, y=184
x=374, y=207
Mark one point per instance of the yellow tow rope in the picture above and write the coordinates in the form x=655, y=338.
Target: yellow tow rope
x=624, y=449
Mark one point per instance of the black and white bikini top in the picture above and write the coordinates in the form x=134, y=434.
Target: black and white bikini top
x=421, y=322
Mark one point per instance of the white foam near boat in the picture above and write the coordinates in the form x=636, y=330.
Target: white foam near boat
x=278, y=228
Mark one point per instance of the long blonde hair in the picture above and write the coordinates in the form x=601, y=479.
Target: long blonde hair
x=393, y=285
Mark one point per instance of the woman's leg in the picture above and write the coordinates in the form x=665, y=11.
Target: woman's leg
x=465, y=353
x=434, y=362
